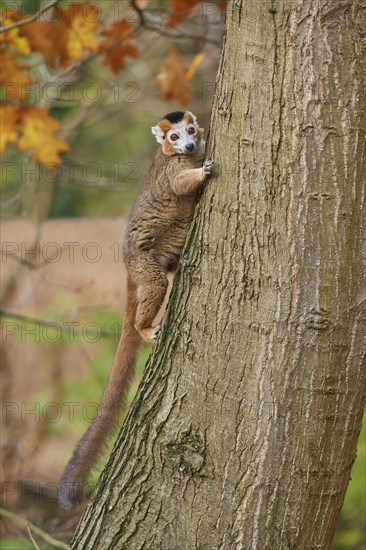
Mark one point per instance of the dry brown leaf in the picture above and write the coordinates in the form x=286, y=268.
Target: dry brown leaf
x=50, y=40
x=118, y=45
x=14, y=76
x=38, y=135
x=172, y=79
x=47, y=38
x=9, y=124
x=181, y=10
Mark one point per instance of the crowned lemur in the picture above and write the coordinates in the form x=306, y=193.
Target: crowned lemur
x=154, y=239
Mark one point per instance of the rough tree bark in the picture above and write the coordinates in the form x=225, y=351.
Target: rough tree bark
x=244, y=428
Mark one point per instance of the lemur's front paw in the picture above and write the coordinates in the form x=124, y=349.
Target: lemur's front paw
x=157, y=330
x=208, y=167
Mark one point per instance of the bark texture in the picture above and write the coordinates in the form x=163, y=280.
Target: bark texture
x=244, y=428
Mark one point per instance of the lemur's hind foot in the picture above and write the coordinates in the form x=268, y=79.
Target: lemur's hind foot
x=150, y=334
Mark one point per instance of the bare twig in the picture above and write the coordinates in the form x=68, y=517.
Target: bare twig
x=29, y=293
x=180, y=35
x=80, y=116
x=28, y=525
x=32, y=538
x=173, y=33
x=30, y=19
x=28, y=263
x=63, y=327
x=139, y=11
x=103, y=184
x=14, y=200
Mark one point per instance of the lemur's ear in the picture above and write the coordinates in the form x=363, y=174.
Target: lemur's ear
x=194, y=118
x=158, y=133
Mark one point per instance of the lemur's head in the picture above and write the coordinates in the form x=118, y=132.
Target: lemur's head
x=178, y=133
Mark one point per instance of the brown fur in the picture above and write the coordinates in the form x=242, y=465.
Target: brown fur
x=90, y=446
x=154, y=240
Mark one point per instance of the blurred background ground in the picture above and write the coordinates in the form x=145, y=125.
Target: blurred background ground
x=54, y=373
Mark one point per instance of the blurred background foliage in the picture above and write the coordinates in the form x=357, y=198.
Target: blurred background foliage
x=107, y=119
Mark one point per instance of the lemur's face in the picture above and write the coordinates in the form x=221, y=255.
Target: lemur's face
x=178, y=133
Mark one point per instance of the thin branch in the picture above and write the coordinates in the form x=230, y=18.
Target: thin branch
x=139, y=12
x=28, y=263
x=17, y=199
x=103, y=184
x=29, y=293
x=32, y=538
x=174, y=33
x=28, y=525
x=80, y=116
x=46, y=323
x=30, y=19
x=14, y=200
x=68, y=288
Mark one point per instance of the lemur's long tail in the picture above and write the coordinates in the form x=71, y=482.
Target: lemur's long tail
x=90, y=446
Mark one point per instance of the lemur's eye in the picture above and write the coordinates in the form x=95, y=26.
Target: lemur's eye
x=174, y=137
x=191, y=130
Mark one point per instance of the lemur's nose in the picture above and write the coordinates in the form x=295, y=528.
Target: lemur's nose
x=190, y=147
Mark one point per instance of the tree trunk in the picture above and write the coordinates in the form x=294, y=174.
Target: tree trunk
x=244, y=429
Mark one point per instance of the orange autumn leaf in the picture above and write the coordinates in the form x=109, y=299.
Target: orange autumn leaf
x=14, y=76
x=118, y=45
x=172, y=79
x=9, y=124
x=38, y=136
x=63, y=41
x=181, y=10
x=37, y=129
